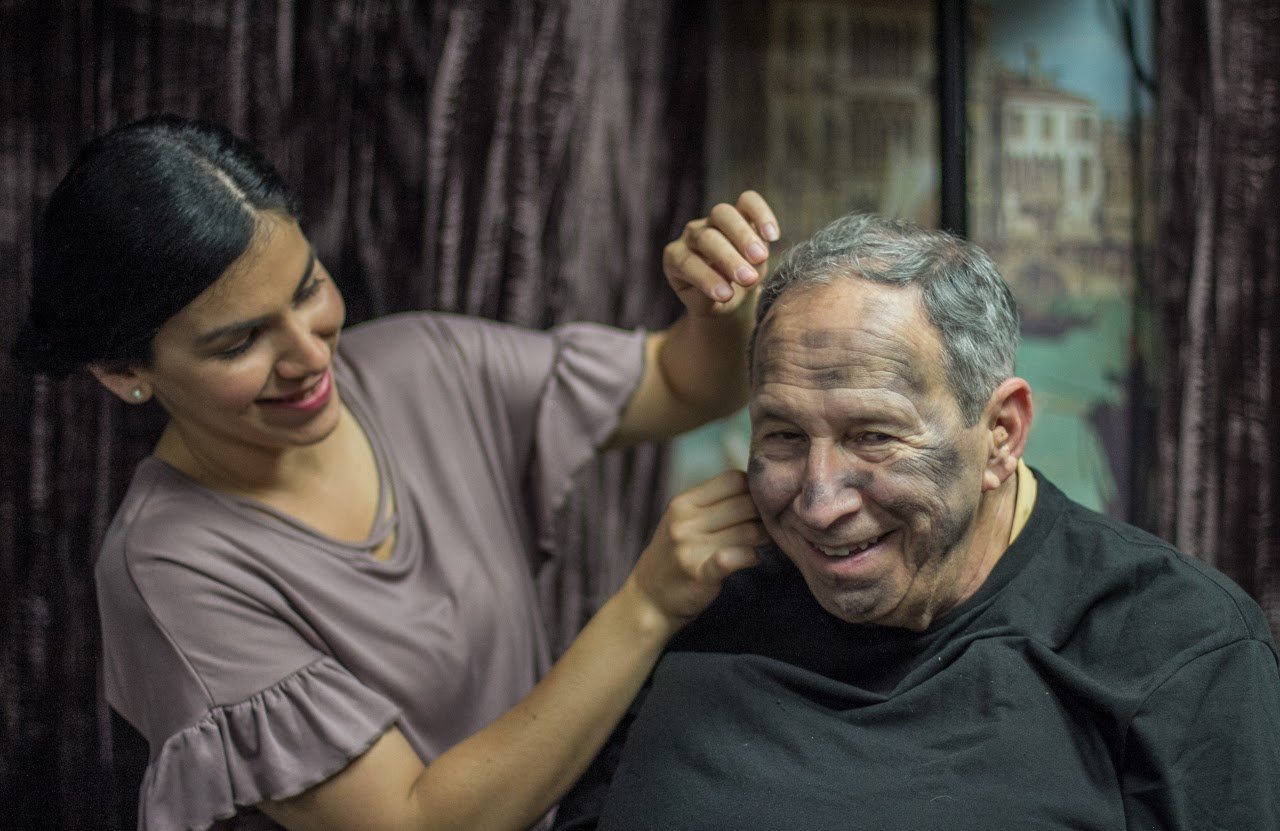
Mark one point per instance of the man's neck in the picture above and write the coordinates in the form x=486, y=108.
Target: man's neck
x=994, y=530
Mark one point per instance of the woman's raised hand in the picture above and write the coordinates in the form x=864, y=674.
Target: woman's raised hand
x=716, y=260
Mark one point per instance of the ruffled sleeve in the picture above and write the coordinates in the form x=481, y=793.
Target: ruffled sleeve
x=596, y=370
x=277, y=743
x=540, y=402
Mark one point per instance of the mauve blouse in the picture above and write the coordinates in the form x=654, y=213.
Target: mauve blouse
x=259, y=656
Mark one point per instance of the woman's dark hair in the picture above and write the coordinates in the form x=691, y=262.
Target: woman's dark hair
x=148, y=217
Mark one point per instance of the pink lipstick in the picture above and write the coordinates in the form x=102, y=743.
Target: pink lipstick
x=308, y=400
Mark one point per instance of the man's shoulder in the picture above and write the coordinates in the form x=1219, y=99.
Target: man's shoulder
x=1146, y=582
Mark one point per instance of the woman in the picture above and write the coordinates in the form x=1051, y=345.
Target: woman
x=317, y=599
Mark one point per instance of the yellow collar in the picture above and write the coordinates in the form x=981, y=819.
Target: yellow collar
x=1024, y=501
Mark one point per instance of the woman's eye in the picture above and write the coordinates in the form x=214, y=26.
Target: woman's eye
x=240, y=348
x=308, y=291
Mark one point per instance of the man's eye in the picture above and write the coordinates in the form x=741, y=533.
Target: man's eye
x=784, y=435
x=872, y=437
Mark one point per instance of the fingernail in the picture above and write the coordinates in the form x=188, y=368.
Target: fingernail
x=745, y=274
x=723, y=292
x=757, y=252
x=770, y=232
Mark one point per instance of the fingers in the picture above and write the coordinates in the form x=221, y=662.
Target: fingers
x=721, y=486
x=721, y=516
x=731, y=242
x=757, y=211
x=707, y=533
x=687, y=266
x=726, y=249
x=726, y=561
x=688, y=520
x=718, y=503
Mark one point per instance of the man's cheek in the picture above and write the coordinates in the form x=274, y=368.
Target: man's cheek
x=931, y=468
x=772, y=485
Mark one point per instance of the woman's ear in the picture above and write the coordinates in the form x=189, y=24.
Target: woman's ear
x=1008, y=422
x=126, y=384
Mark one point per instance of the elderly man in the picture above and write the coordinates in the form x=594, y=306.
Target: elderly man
x=941, y=639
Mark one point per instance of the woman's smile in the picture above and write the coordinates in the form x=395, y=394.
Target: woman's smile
x=308, y=400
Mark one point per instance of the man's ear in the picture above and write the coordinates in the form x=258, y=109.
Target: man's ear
x=125, y=383
x=1007, y=419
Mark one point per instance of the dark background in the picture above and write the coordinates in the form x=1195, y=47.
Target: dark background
x=526, y=161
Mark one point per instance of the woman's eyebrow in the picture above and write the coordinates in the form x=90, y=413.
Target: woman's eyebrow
x=306, y=272
x=246, y=325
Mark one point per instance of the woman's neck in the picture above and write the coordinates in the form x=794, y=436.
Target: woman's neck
x=249, y=470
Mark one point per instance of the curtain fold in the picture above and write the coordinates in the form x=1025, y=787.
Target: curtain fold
x=519, y=161
x=1217, y=288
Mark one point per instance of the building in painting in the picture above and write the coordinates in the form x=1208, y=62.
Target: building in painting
x=851, y=92
x=1119, y=200
x=1051, y=178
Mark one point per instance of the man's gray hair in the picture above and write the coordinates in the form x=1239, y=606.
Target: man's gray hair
x=963, y=294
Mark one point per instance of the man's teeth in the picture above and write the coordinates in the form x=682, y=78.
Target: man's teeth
x=845, y=552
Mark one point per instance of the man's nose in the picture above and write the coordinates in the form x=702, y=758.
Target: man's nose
x=829, y=490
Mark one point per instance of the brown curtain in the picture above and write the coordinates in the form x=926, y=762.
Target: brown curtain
x=1217, y=288
x=524, y=161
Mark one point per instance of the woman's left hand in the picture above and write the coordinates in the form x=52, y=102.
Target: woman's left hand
x=718, y=259
x=707, y=533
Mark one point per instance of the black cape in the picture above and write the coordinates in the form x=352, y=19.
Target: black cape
x=1099, y=679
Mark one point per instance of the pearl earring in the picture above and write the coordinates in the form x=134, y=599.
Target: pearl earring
x=137, y=394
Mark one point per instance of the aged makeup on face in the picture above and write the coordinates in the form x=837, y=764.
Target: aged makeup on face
x=863, y=469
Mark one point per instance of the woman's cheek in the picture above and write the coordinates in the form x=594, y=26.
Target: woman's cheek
x=334, y=310
x=245, y=387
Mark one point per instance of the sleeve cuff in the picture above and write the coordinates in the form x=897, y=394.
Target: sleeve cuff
x=276, y=744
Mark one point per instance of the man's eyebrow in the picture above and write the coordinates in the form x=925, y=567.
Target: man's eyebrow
x=766, y=412
x=248, y=325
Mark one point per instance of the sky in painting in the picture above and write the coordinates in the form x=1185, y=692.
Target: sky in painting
x=1080, y=43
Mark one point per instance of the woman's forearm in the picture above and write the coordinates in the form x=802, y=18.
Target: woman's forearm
x=508, y=774
x=704, y=360
x=512, y=772
x=695, y=372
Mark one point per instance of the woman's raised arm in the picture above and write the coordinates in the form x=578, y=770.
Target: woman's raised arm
x=696, y=370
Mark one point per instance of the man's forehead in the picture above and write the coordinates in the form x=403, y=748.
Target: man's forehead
x=846, y=358
x=831, y=339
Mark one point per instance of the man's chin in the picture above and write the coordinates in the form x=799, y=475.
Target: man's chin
x=860, y=607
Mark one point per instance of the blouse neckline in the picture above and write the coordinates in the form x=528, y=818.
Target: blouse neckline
x=385, y=522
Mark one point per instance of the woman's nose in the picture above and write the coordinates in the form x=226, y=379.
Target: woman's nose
x=306, y=351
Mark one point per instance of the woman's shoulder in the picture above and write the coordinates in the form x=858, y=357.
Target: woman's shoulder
x=162, y=503
x=444, y=342
x=167, y=524
x=439, y=330
x=439, y=351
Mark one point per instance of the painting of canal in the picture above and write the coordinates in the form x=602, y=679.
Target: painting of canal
x=1058, y=184
x=1062, y=132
